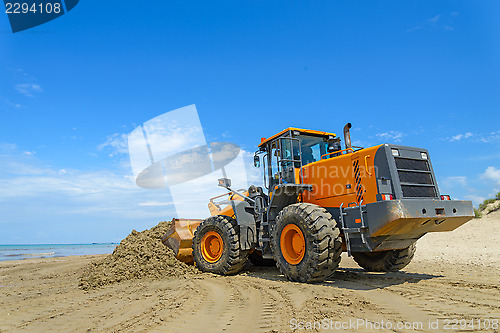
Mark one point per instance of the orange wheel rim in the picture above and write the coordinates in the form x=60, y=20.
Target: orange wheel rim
x=212, y=246
x=293, y=244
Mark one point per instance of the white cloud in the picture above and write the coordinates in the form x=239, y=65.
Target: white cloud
x=454, y=180
x=391, y=135
x=170, y=133
x=456, y=186
x=475, y=137
x=437, y=22
x=70, y=191
x=434, y=19
x=154, y=203
x=491, y=137
x=476, y=199
x=255, y=175
x=97, y=205
x=476, y=188
x=116, y=143
x=359, y=143
x=106, y=193
x=459, y=137
x=492, y=174
x=7, y=146
x=10, y=104
x=28, y=89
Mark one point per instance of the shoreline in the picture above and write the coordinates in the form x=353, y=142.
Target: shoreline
x=53, y=257
x=29, y=251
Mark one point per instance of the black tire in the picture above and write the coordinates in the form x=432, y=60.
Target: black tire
x=233, y=259
x=385, y=261
x=257, y=260
x=322, y=243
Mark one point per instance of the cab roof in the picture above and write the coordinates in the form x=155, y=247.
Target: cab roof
x=302, y=131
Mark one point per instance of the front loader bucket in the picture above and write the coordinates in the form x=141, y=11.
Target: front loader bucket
x=180, y=238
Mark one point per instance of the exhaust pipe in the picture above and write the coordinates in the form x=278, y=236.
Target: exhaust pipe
x=347, y=136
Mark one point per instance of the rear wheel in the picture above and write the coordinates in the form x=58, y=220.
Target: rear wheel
x=306, y=243
x=216, y=246
x=385, y=261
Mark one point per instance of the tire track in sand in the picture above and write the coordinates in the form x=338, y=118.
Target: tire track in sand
x=230, y=304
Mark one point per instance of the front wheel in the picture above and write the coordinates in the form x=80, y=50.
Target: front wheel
x=385, y=261
x=306, y=243
x=216, y=246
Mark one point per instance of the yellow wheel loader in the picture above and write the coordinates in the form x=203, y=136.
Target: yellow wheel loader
x=319, y=200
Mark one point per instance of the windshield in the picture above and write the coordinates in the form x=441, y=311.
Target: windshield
x=312, y=149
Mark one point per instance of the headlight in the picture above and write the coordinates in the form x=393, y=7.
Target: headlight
x=395, y=152
x=424, y=155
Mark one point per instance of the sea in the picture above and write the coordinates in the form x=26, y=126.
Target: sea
x=19, y=252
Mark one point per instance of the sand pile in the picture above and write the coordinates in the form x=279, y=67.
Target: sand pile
x=140, y=255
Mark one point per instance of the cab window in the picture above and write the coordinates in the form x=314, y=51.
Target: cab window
x=312, y=148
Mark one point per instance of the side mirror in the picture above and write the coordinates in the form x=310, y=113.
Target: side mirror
x=256, y=161
x=225, y=182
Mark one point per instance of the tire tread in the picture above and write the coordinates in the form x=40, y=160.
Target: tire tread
x=325, y=252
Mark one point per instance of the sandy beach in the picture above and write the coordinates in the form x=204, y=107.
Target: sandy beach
x=454, y=276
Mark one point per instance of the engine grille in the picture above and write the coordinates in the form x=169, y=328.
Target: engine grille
x=410, y=191
x=410, y=164
x=416, y=178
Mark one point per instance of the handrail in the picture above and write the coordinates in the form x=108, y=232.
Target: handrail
x=341, y=152
x=366, y=165
x=265, y=170
x=223, y=195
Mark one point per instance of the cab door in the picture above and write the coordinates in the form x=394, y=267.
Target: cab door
x=290, y=160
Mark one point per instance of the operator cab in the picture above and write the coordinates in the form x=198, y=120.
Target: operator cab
x=284, y=154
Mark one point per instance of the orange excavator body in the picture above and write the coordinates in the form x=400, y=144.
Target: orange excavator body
x=335, y=182
x=382, y=198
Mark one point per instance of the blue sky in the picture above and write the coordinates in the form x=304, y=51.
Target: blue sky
x=417, y=73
